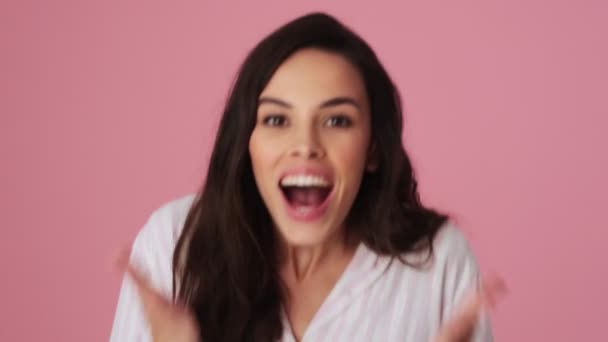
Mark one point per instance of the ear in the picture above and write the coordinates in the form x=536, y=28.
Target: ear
x=372, y=162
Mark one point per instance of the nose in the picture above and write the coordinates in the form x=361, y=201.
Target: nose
x=307, y=145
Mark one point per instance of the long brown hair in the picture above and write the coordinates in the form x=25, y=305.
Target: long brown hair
x=225, y=266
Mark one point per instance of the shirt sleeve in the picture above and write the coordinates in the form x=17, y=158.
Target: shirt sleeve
x=129, y=321
x=152, y=254
x=461, y=276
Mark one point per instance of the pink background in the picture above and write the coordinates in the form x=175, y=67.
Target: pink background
x=108, y=109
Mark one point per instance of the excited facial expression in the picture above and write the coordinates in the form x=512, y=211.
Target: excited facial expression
x=309, y=148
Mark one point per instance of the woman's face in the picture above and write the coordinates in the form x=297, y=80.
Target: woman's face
x=310, y=145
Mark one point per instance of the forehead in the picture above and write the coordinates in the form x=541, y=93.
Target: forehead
x=315, y=75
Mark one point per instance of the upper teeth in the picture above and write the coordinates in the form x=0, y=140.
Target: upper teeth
x=304, y=180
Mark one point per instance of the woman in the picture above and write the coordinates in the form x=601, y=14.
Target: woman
x=309, y=226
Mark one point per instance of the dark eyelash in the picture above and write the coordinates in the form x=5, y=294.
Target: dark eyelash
x=345, y=121
x=268, y=118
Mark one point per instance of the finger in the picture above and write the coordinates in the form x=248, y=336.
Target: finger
x=466, y=316
x=124, y=264
x=121, y=259
x=150, y=298
x=494, y=288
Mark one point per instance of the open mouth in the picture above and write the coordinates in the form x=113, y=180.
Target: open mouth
x=305, y=194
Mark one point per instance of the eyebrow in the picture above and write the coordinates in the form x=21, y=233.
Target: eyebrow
x=336, y=101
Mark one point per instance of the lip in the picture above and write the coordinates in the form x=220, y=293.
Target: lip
x=314, y=213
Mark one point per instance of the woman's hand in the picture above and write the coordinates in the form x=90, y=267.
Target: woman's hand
x=460, y=327
x=169, y=322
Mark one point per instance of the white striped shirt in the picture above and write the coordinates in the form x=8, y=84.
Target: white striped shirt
x=373, y=300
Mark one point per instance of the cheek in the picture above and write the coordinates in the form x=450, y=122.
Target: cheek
x=255, y=153
x=262, y=156
x=350, y=155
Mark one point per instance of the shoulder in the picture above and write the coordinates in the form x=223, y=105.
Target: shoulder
x=449, y=246
x=434, y=286
x=450, y=243
x=455, y=269
x=450, y=269
x=457, y=273
x=152, y=250
x=453, y=258
x=451, y=273
x=167, y=221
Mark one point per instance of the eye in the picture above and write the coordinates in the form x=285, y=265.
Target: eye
x=275, y=120
x=339, y=121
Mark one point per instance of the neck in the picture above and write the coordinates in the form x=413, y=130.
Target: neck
x=299, y=263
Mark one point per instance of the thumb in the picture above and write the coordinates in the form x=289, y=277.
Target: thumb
x=151, y=299
x=466, y=315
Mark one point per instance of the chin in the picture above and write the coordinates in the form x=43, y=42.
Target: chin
x=303, y=241
x=304, y=235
